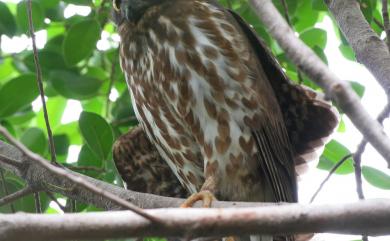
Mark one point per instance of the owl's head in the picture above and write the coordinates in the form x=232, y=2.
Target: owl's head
x=131, y=10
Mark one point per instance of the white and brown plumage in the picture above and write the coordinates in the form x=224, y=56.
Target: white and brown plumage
x=213, y=101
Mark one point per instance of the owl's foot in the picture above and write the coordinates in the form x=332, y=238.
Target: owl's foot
x=206, y=196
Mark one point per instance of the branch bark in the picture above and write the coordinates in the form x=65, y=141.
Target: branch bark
x=368, y=217
x=339, y=90
x=38, y=176
x=370, y=50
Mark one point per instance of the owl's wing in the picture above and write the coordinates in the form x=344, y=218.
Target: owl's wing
x=142, y=168
x=308, y=117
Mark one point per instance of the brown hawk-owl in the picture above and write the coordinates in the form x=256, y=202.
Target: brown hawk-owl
x=213, y=101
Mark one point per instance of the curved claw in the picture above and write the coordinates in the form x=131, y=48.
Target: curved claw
x=206, y=196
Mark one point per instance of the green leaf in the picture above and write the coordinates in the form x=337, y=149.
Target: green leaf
x=333, y=153
x=314, y=36
x=7, y=69
x=307, y=17
x=38, y=16
x=35, y=140
x=320, y=53
x=319, y=5
x=17, y=93
x=366, y=7
x=79, y=2
x=341, y=127
x=7, y=21
x=358, y=88
x=81, y=41
x=291, y=6
x=376, y=177
x=347, y=52
x=122, y=108
x=61, y=144
x=97, y=133
x=49, y=60
x=88, y=158
x=50, y=3
x=71, y=130
x=74, y=86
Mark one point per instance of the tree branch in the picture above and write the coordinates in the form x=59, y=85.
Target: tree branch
x=75, y=180
x=357, y=157
x=340, y=91
x=5, y=190
x=368, y=217
x=38, y=176
x=370, y=50
x=15, y=196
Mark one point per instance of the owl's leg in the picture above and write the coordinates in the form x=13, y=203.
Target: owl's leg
x=205, y=194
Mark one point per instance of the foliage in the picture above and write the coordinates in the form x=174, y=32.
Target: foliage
x=80, y=67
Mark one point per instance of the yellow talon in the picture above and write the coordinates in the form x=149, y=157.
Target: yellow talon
x=206, y=196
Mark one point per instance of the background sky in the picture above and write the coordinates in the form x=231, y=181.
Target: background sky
x=340, y=188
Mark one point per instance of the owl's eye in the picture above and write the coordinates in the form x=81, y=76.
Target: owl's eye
x=116, y=5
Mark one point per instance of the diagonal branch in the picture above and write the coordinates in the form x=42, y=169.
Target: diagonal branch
x=74, y=179
x=15, y=196
x=5, y=189
x=340, y=91
x=370, y=50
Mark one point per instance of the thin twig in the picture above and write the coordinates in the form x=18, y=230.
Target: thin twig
x=15, y=196
x=54, y=199
x=123, y=121
x=73, y=205
x=286, y=15
x=11, y=162
x=358, y=168
x=357, y=157
x=37, y=200
x=39, y=82
x=386, y=23
x=84, y=168
x=5, y=189
x=77, y=180
x=333, y=170
x=378, y=23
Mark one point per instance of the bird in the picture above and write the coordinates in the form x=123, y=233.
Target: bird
x=215, y=103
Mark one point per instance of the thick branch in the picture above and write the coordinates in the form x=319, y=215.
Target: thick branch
x=37, y=176
x=366, y=217
x=370, y=50
x=308, y=62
